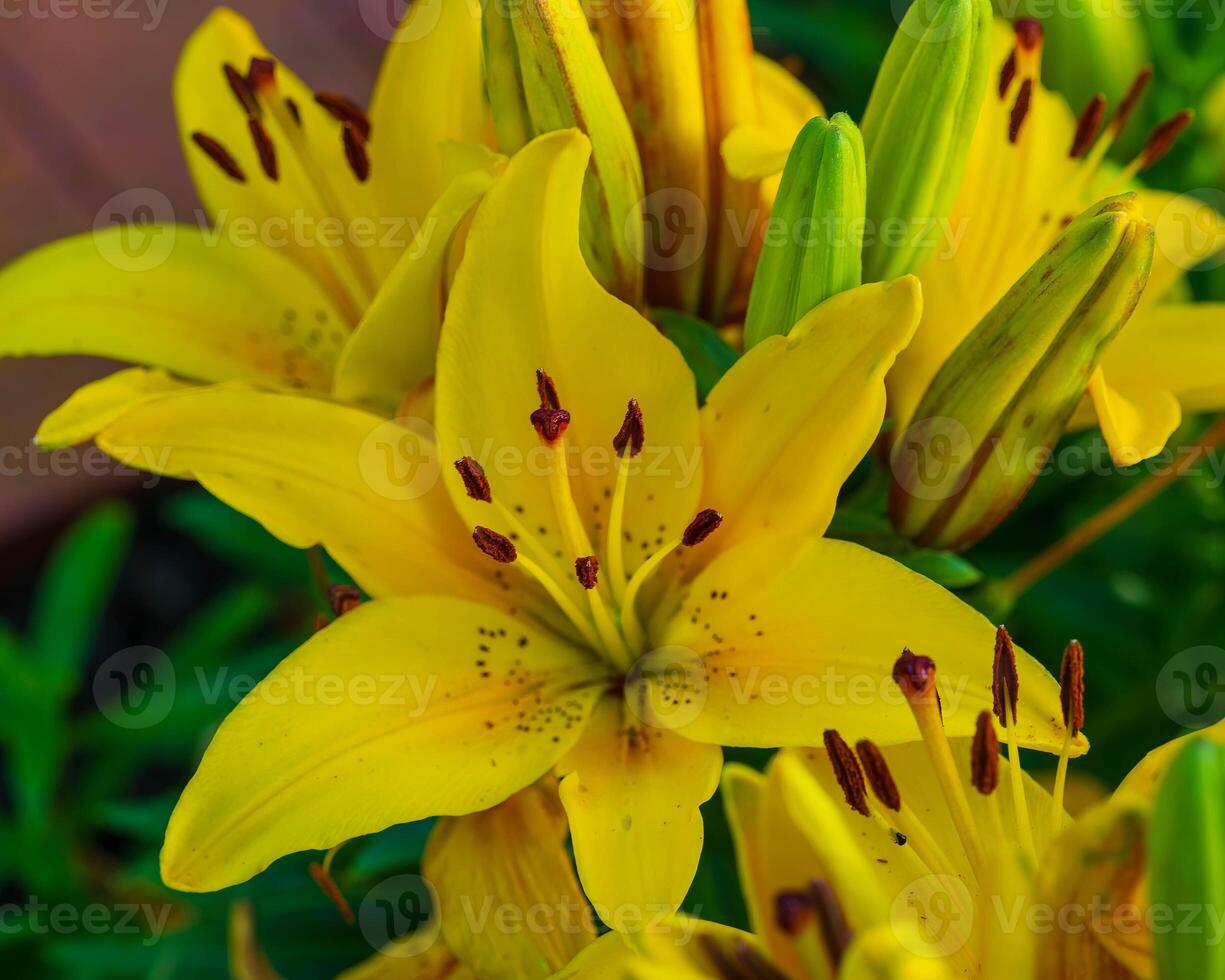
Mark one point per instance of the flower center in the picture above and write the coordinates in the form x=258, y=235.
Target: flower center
x=610, y=624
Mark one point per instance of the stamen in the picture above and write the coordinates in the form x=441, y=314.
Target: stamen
x=588, y=571
x=1020, y=110
x=476, y=484
x=916, y=676
x=632, y=434
x=345, y=110
x=847, y=772
x=550, y=424
x=355, y=152
x=880, y=778
x=985, y=756
x=242, y=91
x=1088, y=126
x=701, y=527
x=745, y=963
x=1072, y=703
x=1163, y=137
x=1028, y=31
x=1005, y=688
x=1128, y=105
x=264, y=147
x=497, y=546
x=261, y=74
x=547, y=390
x=343, y=598
x=1008, y=72
x=323, y=878
x=834, y=928
x=220, y=156
x=792, y=911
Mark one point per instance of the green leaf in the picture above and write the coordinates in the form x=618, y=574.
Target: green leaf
x=1187, y=859
x=235, y=538
x=704, y=349
x=75, y=588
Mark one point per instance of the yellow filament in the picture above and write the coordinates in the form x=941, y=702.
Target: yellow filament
x=564, y=602
x=1015, y=774
x=614, y=546
x=1061, y=782
x=630, y=624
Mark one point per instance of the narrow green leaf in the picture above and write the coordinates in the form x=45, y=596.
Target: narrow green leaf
x=705, y=351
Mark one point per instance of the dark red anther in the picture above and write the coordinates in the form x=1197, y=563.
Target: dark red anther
x=242, y=91
x=1020, y=110
x=550, y=423
x=547, y=390
x=878, y=774
x=792, y=911
x=1072, y=687
x=632, y=433
x=831, y=918
x=294, y=111
x=220, y=156
x=1087, y=126
x=476, y=484
x=343, y=599
x=1008, y=72
x=1029, y=33
x=985, y=755
x=497, y=546
x=1004, y=682
x=345, y=110
x=1129, y=102
x=915, y=675
x=1163, y=137
x=261, y=73
x=588, y=571
x=701, y=527
x=847, y=772
x=355, y=152
x=264, y=147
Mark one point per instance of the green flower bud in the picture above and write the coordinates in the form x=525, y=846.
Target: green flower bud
x=544, y=73
x=917, y=128
x=812, y=244
x=991, y=416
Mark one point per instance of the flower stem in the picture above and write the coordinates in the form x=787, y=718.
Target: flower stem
x=1105, y=520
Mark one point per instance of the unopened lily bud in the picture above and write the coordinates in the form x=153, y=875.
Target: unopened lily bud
x=993, y=413
x=544, y=73
x=812, y=244
x=917, y=129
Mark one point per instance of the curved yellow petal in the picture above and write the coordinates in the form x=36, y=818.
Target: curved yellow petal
x=632, y=793
x=522, y=300
x=511, y=905
x=430, y=89
x=314, y=473
x=393, y=348
x=672, y=948
x=315, y=208
x=753, y=152
x=782, y=637
x=199, y=306
x=1136, y=423
x=399, y=960
x=395, y=712
x=786, y=102
x=1146, y=776
x=96, y=405
x=792, y=418
x=1174, y=347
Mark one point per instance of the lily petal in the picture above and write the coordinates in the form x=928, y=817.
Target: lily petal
x=522, y=300
x=312, y=473
x=96, y=405
x=393, y=348
x=430, y=90
x=1189, y=231
x=785, y=427
x=1137, y=424
x=209, y=310
x=316, y=753
x=399, y=960
x=512, y=855
x=782, y=637
x=632, y=793
x=758, y=150
x=675, y=948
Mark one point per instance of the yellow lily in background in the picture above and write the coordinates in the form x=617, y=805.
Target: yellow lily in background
x=1034, y=166
x=329, y=233
x=609, y=625
x=902, y=862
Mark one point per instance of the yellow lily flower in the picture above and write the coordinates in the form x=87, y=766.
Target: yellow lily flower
x=1034, y=166
x=609, y=625
x=323, y=261
x=902, y=862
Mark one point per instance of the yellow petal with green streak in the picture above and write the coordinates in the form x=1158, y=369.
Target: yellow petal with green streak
x=395, y=712
x=209, y=309
x=792, y=418
x=632, y=794
x=787, y=636
x=511, y=858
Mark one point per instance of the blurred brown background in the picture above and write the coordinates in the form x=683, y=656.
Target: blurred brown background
x=86, y=113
